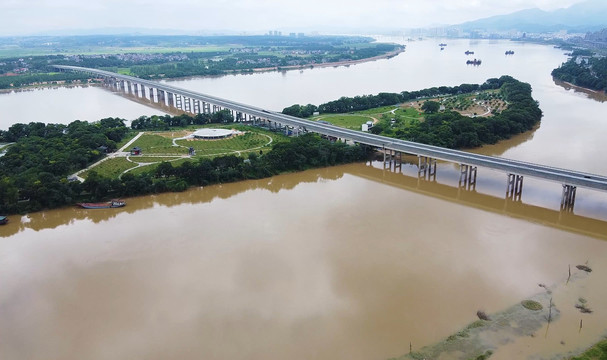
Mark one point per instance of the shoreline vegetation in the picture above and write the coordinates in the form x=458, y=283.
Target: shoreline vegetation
x=34, y=170
x=508, y=104
x=205, y=56
x=585, y=70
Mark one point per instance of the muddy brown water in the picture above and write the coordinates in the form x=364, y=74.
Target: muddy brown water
x=347, y=262
x=350, y=262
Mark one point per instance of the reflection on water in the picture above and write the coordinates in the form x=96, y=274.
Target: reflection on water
x=599, y=96
x=345, y=262
x=406, y=178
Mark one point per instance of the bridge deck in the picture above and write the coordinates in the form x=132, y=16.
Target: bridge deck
x=563, y=176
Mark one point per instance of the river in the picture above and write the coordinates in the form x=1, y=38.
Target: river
x=349, y=262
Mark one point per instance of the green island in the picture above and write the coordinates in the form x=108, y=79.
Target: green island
x=29, y=61
x=464, y=116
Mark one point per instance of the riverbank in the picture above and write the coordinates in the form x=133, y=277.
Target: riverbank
x=600, y=96
x=329, y=64
x=226, y=72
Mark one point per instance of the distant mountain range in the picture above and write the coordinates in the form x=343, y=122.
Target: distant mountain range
x=590, y=15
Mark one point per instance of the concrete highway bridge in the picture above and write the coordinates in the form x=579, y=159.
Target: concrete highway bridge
x=196, y=103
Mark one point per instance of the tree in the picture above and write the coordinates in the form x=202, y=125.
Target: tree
x=430, y=107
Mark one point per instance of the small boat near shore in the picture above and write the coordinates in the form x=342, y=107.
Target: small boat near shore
x=474, y=62
x=3, y=220
x=509, y=52
x=104, y=205
x=468, y=52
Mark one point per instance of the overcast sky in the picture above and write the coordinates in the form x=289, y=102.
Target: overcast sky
x=23, y=17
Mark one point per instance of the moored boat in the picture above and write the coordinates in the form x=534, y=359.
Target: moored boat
x=3, y=220
x=104, y=205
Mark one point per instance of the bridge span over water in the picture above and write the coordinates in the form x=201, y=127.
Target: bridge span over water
x=195, y=103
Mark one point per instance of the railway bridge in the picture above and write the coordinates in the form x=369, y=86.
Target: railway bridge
x=196, y=103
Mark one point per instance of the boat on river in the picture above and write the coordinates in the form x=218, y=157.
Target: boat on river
x=103, y=205
x=3, y=220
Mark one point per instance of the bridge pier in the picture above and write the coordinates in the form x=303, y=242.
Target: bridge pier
x=161, y=97
x=426, y=166
x=178, y=101
x=170, y=99
x=467, y=176
x=568, y=198
x=196, y=107
x=187, y=104
x=514, y=189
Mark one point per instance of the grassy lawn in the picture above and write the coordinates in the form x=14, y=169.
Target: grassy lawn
x=128, y=137
x=246, y=142
x=380, y=110
x=148, y=168
x=111, y=168
x=156, y=144
x=152, y=159
x=347, y=121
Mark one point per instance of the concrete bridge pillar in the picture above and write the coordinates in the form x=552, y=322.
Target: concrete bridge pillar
x=152, y=97
x=426, y=166
x=136, y=89
x=514, y=188
x=161, y=97
x=178, y=101
x=187, y=104
x=196, y=107
x=129, y=87
x=467, y=176
x=170, y=99
x=568, y=198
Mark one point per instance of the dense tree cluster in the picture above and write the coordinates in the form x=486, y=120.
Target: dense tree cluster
x=448, y=129
x=590, y=73
x=36, y=166
x=33, y=172
x=301, y=111
x=165, y=122
x=365, y=102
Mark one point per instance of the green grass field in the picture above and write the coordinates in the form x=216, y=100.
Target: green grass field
x=111, y=168
x=156, y=144
x=246, y=143
x=152, y=159
x=347, y=121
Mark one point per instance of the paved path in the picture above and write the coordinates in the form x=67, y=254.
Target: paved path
x=119, y=153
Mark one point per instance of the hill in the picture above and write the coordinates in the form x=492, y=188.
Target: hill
x=590, y=15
